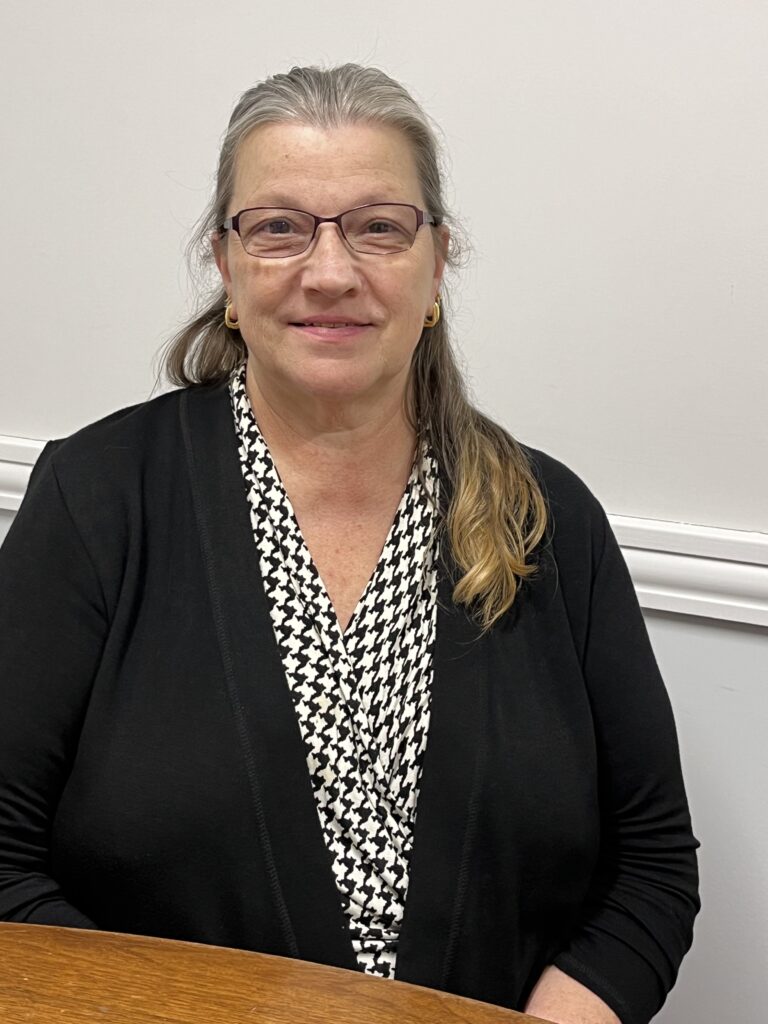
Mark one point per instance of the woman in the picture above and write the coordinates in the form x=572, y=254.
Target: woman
x=249, y=626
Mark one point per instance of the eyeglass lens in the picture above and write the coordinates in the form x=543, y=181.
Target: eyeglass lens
x=372, y=229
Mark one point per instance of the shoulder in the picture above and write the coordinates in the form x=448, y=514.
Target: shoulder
x=562, y=487
x=576, y=521
x=111, y=475
x=139, y=436
x=128, y=426
x=118, y=478
x=565, y=493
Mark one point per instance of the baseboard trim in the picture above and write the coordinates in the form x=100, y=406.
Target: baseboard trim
x=676, y=567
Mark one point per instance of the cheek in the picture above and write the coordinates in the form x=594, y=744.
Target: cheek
x=259, y=291
x=428, y=272
x=410, y=296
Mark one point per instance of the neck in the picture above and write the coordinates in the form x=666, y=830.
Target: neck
x=338, y=455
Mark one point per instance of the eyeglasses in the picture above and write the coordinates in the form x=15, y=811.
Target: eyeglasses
x=378, y=229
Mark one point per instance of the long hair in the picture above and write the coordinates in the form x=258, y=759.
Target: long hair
x=496, y=513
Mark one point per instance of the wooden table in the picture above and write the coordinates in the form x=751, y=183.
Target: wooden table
x=67, y=976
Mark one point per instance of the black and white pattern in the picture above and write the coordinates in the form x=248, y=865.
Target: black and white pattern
x=361, y=697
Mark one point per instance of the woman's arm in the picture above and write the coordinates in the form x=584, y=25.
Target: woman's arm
x=637, y=921
x=558, y=998
x=52, y=628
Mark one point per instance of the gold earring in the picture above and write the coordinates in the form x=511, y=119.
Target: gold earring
x=233, y=325
x=431, y=320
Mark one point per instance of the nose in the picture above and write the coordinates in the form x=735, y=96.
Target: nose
x=330, y=265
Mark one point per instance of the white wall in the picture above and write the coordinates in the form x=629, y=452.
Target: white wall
x=609, y=160
x=717, y=674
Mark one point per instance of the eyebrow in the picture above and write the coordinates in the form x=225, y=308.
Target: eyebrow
x=284, y=201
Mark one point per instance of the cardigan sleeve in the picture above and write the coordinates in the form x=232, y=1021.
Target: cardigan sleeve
x=638, y=921
x=52, y=629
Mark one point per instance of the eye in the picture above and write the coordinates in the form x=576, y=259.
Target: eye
x=278, y=226
x=275, y=231
x=380, y=227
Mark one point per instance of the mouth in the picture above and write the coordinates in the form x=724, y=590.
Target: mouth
x=329, y=323
x=331, y=330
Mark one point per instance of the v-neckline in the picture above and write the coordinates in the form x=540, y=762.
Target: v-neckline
x=341, y=637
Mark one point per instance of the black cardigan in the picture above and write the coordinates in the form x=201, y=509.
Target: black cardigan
x=153, y=778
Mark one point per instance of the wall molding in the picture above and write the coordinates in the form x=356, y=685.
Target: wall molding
x=676, y=567
x=696, y=570
x=17, y=457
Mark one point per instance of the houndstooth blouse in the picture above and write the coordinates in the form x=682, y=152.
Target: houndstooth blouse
x=361, y=697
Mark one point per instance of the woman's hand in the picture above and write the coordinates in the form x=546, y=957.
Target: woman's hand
x=558, y=998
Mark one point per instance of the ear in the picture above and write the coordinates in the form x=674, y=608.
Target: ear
x=219, y=246
x=442, y=237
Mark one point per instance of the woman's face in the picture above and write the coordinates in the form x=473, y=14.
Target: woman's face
x=284, y=305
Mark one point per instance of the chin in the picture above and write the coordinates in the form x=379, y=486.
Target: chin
x=344, y=384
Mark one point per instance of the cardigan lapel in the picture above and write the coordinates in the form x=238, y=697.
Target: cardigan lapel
x=447, y=805
x=303, y=887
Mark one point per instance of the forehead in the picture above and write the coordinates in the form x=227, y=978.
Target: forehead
x=325, y=170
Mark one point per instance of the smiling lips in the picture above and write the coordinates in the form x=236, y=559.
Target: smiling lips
x=330, y=321
x=327, y=328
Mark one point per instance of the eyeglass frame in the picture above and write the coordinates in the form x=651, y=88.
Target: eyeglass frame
x=233, y=224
